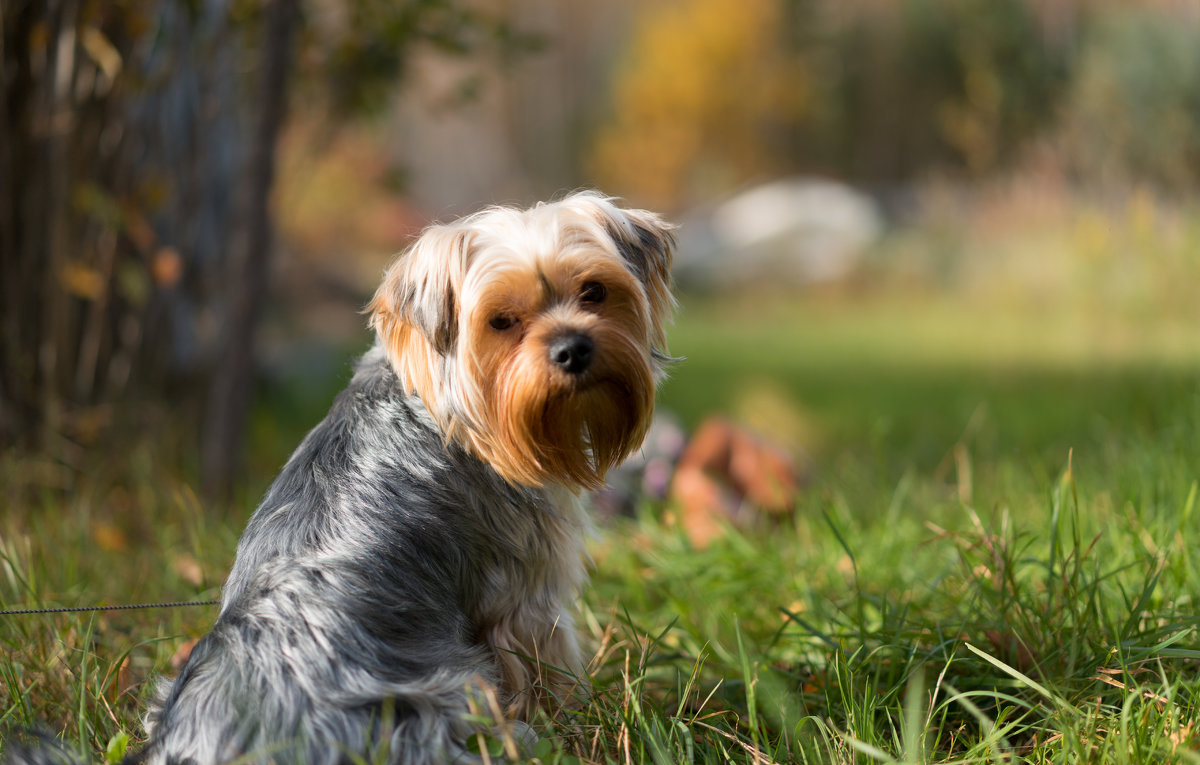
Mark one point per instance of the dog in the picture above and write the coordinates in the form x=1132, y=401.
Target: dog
x=425, y=542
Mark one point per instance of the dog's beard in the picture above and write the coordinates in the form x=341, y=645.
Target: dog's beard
x=576, y=437
x=570, y=431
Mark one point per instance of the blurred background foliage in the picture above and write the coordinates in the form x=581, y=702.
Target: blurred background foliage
x=707, y=95
x=1027, y=154
x=888, y=92
x=873, y=91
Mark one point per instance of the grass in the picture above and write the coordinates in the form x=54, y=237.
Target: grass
x=995, y=559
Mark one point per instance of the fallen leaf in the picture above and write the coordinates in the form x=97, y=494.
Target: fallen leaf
x=189, y=569
x=109, y=538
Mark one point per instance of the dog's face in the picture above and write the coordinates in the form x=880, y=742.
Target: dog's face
x=535, y=337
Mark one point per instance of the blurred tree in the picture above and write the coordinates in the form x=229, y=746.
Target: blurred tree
x=905, y=87
x=706, y=96
x=136, y=167
x=229, y=396
x=118, y=144
x=988, y=71
x=1132, y=114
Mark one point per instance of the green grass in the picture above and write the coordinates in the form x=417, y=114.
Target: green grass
x=996, y=558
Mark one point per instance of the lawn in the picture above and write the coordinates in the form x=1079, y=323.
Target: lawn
x=994, y=560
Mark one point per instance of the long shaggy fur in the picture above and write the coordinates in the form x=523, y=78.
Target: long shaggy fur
x=425, y=541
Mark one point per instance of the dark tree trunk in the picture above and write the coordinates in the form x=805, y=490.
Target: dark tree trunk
x=19, y=404
x=233, y=372
x=118, y=142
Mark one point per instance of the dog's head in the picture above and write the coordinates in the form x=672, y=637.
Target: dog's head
x=535, y=337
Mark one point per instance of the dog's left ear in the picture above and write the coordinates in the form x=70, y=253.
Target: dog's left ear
x=647, y=244
x=419, y=291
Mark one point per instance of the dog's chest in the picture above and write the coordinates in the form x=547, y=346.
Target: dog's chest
x=535, y=557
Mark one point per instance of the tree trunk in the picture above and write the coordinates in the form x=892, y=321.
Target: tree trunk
x=233, y=373
x=118, y=144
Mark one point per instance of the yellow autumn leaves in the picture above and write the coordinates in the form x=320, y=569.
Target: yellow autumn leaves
x=705, y=86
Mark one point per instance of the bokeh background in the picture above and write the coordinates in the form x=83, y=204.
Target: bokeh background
x=893, y=212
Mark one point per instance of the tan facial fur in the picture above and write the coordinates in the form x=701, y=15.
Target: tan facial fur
x=475, y=317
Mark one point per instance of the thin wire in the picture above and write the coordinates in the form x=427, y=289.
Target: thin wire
x=83, y=609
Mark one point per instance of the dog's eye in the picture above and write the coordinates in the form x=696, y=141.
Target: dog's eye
x=501, y=322
x=593, y=292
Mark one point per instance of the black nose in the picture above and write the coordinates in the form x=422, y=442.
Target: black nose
x=572, y=353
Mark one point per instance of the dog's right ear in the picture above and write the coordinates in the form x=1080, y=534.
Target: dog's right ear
x=647, y=244
x=420, y=290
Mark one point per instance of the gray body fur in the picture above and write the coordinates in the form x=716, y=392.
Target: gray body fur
x=357, y=612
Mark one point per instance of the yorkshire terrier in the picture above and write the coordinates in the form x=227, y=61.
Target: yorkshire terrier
x=426, y=540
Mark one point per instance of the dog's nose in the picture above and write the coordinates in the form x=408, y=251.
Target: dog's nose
x=572, y=352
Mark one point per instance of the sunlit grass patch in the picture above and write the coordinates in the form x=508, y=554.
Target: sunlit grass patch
x=898, y=640
x=137, y=537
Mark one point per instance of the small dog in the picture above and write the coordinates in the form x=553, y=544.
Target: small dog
x=426, y=539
